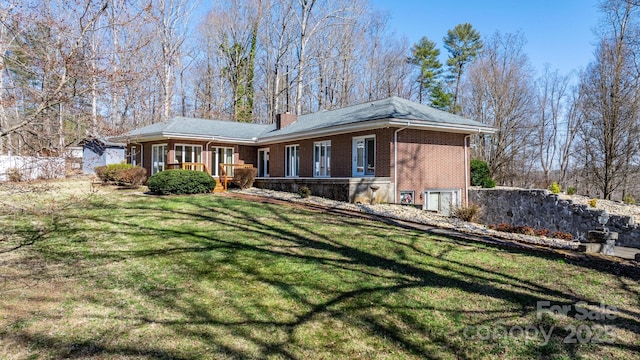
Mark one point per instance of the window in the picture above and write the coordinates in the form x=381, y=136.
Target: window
x=221, y=155
x=188, y=153
x=441, y=200
x=364, y=156
x=406, y=197
x=292, y=160
x=158, y=157
x=132, y=153
x=263, y=162
x=322, y=159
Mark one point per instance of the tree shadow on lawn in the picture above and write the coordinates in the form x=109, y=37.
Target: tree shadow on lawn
x=350, y=284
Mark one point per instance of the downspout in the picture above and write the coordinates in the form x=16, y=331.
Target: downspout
x=466, y=168
x=466, y=171
x=395, y=162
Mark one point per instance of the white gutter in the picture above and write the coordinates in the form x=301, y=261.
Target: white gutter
x=395, y=161
x=466, y=168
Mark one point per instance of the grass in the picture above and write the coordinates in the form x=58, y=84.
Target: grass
x=121, y=275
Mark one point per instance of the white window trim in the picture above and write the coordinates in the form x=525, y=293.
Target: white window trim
x=215, y=168
x=286, y=160
x=261, y=165
x=132, y=155
x=458, y=199
x=327, y=165
x=175, y=146
x=164, y=164
x=375, y=155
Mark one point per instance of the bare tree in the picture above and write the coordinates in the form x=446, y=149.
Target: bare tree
x=171, y=18
x=499, y=92
x=610, y=102
x=46, y=64
x=551, y=94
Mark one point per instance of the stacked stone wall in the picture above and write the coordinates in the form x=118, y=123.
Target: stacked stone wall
x=541, y=209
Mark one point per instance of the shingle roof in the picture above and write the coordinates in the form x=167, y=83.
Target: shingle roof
x=390, y=108
x=203, y=128
x=393, y=108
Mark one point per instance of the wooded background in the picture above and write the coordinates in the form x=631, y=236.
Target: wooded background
x=72, y=69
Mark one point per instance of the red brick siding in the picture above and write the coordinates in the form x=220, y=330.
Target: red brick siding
x=430, y=160
x=341, y=154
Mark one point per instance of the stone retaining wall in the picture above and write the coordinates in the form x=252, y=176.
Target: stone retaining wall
x=374, y=190
x=542, y=210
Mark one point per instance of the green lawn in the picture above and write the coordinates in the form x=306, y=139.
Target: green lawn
x=198, y=277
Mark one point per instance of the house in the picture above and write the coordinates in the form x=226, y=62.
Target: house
x=100, y=152
x=391, y=150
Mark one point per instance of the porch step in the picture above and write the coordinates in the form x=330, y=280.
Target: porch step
x=219, y=188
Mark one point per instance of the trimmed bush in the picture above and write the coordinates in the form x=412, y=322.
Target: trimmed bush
x=571, y=190
x=304, y=192
x=244, y=177
x=181, y=182
x=121, y=174
x=466, y=213
x=133, y=177
x=593, y=202
x=109, y=173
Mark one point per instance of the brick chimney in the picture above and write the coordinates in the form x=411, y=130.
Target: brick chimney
x=284, y=120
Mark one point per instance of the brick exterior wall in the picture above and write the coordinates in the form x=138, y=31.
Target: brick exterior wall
x=430, y=160
x=426, y=159
x=341, y=154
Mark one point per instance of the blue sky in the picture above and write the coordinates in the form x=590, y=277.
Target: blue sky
x=560, y=32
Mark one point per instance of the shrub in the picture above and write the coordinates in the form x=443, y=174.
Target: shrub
x=244, y=177
x=629, y=199
x=479, y=172
x=480, y=175
x=14, y=175
x=562, y=235
x=304, y=192
x=109, y=173
x=571, y=190
x=524, y=230
x=181, y=182
x=502, y=227
x=555, y=188
x=488, y=183
x=134, y=176
x=543, y=232
x=466, y=213
x=593, y=202
x=121, y=174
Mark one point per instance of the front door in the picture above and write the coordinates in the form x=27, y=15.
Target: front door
x=364, y=160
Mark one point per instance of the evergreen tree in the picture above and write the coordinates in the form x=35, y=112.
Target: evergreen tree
x=424, y=55
x=463, y=43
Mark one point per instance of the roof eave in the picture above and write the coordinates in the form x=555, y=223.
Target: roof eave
x=328, y=131
x=168, y=135
x=448, y=127
x=376, y=124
